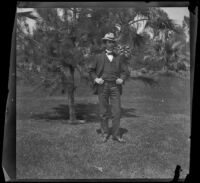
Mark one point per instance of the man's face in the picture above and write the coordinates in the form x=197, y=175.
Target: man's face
x=110, y=45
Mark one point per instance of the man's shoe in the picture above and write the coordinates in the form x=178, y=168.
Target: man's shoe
x=118, y=139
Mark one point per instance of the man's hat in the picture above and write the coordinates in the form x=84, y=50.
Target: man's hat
x=109, y=36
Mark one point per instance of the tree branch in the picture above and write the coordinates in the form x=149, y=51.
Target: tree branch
x=132, y=22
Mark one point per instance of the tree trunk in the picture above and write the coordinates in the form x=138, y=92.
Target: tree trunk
x=71, y=89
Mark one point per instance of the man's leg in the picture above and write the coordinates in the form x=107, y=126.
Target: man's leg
x=116, y=110
x=103, y=110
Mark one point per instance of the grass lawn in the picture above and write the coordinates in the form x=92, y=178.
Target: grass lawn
x=155, y=122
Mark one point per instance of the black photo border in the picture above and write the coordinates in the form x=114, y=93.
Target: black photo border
x=9, y=83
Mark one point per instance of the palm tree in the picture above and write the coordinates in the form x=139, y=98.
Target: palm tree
x=168, y=47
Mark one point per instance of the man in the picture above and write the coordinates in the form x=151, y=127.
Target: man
x=109, y=72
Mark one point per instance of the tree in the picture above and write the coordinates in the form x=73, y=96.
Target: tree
x=23, y=45
x=186, y=24
x=53, y=47
x=169, y=46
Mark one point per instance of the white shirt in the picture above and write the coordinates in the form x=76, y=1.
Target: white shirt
x=110, y=57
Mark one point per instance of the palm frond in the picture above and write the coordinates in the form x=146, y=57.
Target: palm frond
x=147, y=57
x=27, y=14
x=176, y=44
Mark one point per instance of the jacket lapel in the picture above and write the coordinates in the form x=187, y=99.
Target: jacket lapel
x=102, y=62
x=116, y=59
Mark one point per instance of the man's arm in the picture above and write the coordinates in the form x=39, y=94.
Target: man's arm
x=92, y=68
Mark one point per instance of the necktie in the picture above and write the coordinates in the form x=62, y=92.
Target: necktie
x=109, y=53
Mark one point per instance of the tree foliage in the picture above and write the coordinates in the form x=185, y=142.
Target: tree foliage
x=65, y=37
x=170, y=48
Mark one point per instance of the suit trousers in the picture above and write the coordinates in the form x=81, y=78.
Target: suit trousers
x=109, y=94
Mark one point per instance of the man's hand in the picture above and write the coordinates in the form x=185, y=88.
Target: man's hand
x=119, y=81
x=99, y=81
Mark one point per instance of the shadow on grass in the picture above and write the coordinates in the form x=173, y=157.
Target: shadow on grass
x=122, y=131
x=147, y=80
x=84, y=111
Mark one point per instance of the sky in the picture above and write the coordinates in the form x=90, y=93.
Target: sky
x=177, y=13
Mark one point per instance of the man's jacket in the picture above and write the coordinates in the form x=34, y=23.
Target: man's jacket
x=96, y=68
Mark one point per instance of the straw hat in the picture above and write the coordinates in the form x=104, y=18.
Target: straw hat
x=109, y=36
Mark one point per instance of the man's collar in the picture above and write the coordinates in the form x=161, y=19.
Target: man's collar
x=108, y=52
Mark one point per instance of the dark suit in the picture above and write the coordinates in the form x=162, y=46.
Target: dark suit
x=109, y=90
x=97, y=65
